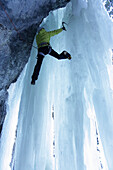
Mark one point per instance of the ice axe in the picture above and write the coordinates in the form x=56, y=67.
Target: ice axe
x=63, y=25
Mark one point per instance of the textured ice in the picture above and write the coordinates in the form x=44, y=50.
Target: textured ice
x=9, y=129
x=65, y=121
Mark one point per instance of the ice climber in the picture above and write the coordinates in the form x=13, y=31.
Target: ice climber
x=44, y=48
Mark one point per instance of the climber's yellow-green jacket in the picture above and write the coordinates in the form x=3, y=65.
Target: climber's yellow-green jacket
x=43, y=37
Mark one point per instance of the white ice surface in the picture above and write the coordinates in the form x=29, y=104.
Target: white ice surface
x=10, y=124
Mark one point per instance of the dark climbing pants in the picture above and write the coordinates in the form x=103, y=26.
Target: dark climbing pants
x=41, y=54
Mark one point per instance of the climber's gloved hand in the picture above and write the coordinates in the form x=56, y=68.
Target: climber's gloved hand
x=63, y=27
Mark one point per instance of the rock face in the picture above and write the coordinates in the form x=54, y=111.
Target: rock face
x=15, y=48
x=109, y=7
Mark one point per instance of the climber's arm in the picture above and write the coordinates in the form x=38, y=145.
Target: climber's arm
x=55, y=32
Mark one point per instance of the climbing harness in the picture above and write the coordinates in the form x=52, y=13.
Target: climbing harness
x=14, y=25
x=43, y=44
x=41, y=53
x=50, y=49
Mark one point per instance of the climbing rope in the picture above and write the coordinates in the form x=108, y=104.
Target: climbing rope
x=14, y=25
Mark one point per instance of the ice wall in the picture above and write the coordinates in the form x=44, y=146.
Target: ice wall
x=7, y=140
x=80, y=91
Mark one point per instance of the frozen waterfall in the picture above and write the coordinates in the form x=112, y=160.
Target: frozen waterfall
x=65, y=121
